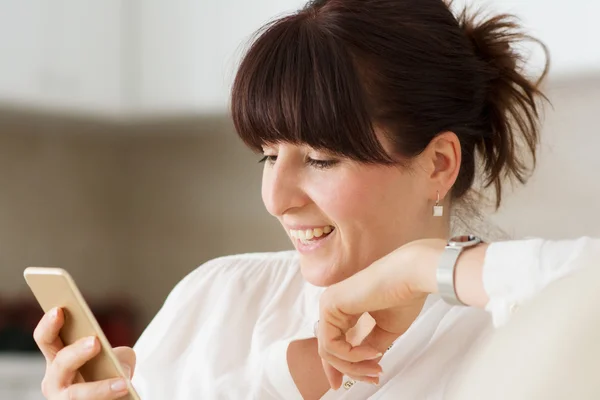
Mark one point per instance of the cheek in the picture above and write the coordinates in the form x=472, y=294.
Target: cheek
x=377, y=201
x=333, y=197
x=364, y=197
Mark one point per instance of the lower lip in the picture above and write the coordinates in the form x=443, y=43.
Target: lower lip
x=311, y=246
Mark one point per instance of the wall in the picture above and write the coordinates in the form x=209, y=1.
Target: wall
x=196, y=196
x=562, y=197
x=60, y=201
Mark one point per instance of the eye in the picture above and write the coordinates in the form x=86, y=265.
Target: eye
x=268, y=159
x=322, y=164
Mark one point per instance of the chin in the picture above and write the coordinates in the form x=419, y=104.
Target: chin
x=320, y=273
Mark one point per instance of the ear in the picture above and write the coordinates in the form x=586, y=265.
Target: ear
x=443, y=158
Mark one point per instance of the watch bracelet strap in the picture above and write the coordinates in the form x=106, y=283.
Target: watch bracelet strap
x=446, y=274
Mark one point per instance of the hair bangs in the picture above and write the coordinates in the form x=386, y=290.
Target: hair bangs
x=297, y=84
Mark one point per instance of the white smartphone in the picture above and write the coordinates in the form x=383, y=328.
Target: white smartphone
x=54, y=287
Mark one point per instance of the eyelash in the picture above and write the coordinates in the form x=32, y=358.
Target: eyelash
x=321, y=164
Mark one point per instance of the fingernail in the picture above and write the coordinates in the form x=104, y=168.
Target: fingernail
x=127, y=370
x=376, y=375
x=54, y=313
x=118, y=385
x=376, y=357
x=90, y=342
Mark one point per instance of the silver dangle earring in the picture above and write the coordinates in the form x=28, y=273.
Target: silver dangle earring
x=438, y=210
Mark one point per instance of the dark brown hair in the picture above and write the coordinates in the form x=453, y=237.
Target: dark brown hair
x=328, y=74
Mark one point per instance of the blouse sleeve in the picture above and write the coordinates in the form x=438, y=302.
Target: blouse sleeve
x=515, y=271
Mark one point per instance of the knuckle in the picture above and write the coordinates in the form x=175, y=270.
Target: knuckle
x=325, y=300
x=38, y=333
x=60, y=361
x=321, y=351
x=44, y=387
x=361, y=369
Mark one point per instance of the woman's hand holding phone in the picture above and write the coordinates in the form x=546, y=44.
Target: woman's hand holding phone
x=63, y=362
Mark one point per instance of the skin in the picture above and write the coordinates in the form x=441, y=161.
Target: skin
x=392, y=291
x=373, y=209
x=63, y=362
x=389, y=206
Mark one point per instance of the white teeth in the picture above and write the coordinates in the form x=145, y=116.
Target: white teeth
x=306, y=235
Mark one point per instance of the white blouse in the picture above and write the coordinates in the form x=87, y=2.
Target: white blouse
x=224, y=330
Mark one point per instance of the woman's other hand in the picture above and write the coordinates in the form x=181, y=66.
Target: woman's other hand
x=63, y=362
x=392, y=290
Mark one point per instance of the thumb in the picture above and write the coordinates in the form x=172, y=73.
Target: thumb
x=127, y=358
x=379, y=339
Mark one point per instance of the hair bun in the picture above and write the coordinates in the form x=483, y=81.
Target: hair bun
x=511, y=109
x=492, y=39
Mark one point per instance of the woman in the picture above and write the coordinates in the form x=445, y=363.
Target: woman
x=374, y=119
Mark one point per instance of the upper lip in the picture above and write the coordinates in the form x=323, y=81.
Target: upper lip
x=304, y=227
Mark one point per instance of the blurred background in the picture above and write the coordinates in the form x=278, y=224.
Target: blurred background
x=119, y=162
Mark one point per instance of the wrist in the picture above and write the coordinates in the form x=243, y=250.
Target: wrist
x=468, y=276
x=424, y=262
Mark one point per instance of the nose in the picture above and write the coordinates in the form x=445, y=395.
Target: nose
x=282, y=188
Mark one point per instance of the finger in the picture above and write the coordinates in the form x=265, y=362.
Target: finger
x=334, y=377
x=127, y=358
x=365, y=368
x=66, y=363
x=379, y=339
x=46, y=333
x=332, y=340
x=101, y=390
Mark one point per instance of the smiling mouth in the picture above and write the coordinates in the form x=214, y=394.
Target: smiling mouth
x=307, y=236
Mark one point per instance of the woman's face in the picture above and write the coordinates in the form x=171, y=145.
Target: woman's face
x=342, y=215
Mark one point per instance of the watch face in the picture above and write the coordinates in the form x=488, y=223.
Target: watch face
x=464, y=241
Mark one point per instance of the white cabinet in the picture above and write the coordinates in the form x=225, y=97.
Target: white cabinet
x=82, y=53
x=140, y=57
x=190, y=49
x=21, y=26
x=125, y=58
x=61, y=54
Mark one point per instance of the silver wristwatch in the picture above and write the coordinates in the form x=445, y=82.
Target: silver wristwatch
x=447, y=267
